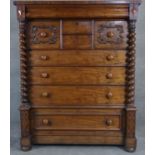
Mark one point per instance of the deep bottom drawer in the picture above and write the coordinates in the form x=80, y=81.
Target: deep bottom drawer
x=77, y=122
x=77, y=126
x=77, y=140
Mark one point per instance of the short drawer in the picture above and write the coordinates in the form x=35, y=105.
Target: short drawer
x=43, y=34
x=78, y=75
x=77, y=41
x=111, y=34
x=78, y=58
x=77, y=122
x=77, y=95
x=77, y=27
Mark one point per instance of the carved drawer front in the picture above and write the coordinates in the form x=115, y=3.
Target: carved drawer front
x=78, y=58
x=77, y=27
x=77, y=122
x=78, y=75
x=44, y=34
x=111, y=34
x=77, y=95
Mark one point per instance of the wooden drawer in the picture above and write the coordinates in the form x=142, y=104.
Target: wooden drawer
x=77, y=58
x=94, y=126
x=78, y=75
x=77, y=27
x=111, y=34
x=44, y=34
x=77, y=95
x=77, y=122
x=77, y=11
x=77, y=42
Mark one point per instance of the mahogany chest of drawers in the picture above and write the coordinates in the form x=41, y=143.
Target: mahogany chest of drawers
x=77, y=64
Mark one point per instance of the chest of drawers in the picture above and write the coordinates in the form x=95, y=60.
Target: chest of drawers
x=77, y=72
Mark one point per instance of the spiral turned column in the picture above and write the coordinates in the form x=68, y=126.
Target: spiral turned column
x=131, y=64
x=23, y=64
x=25, y=106
x=130, y=143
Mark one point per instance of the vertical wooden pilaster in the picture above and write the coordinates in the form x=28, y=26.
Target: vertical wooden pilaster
x=25, y=104
x=130, y=140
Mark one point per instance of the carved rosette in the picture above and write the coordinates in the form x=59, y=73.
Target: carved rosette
x=109, y=33
x=44, y=34
x=131, y=64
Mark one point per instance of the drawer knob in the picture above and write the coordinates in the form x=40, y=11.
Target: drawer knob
x=45, y=94
x=109, y=122
x=110, y=57
x=110, y=34
x=45, y=121
x=44, y=75
x=109, y=95
x=43, y=34
x=44, y=57
x=109, y=76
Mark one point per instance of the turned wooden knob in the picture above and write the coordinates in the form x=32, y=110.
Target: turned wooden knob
x=44, y=75
x=109, y=122
x=45, y=94
x=43, y=34
x=109, y=95
x=110, y=57
x=44, y=57
x=110, y=34
x=45, y=121
x=109, y=76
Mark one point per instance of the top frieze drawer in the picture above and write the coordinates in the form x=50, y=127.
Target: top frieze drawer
x=77, y=11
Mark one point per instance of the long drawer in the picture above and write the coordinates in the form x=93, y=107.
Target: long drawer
x=77, y=119
x=77, y=122
x=78, y=75
x=77, y=95
x=88, y=125
x=78, y=58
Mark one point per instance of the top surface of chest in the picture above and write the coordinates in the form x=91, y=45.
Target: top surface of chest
x=74, y=1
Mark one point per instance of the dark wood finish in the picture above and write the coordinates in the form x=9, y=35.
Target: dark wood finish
x=77, y=95
x=77, y=58
x=77, y=42
x=77, y=11
x=77, y=63
x=81, y=76
x=77, y=2
x=76, y=122
x=111, y=34
x=43, y=35
x=77, y=27
x=56, y=139
x=130, y=143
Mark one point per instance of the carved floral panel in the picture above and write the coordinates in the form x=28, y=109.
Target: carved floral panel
x=111, y=34
x=44, y=34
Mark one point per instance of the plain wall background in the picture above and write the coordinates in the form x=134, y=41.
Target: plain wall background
x=140, y=70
